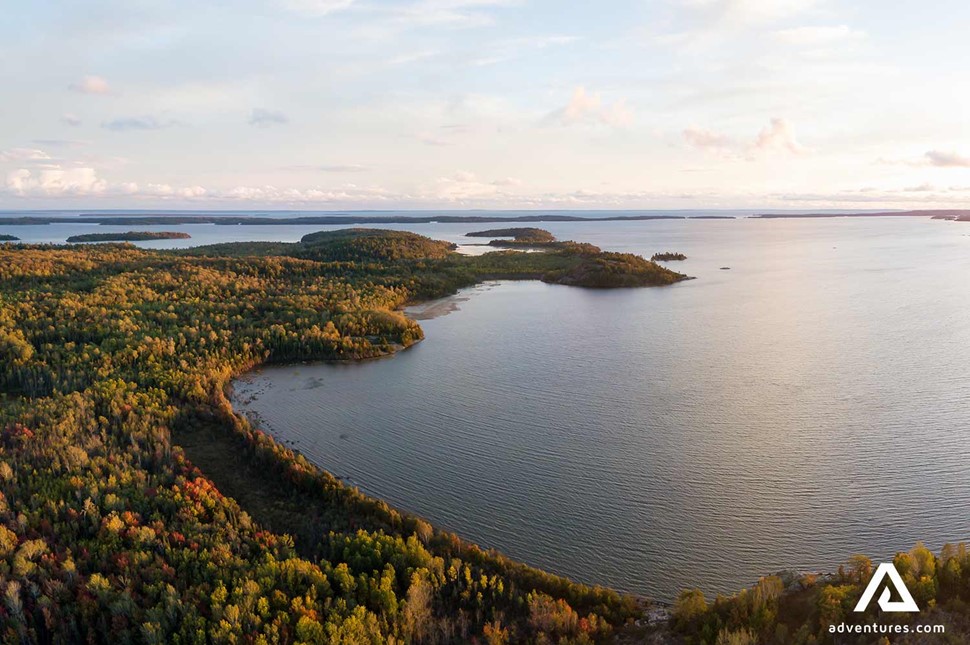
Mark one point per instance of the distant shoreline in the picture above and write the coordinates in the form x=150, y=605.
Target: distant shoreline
x=959, y=215
x=329, y=220
x=136, y=218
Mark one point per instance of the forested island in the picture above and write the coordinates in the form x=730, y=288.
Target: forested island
x=9, y=238
x=668, y=257
x=130, y=236
x=520, y=236
x=137, y=506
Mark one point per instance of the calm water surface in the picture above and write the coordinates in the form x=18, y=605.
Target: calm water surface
x=809, y=403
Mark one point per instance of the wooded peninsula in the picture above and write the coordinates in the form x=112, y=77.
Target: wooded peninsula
x=136, y=506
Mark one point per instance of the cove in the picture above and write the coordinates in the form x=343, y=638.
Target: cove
x=782, y=415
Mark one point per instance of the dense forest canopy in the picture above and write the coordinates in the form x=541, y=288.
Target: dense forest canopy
x=130, y=236
x=518, y=234
x=808, y=608
x=668, y=256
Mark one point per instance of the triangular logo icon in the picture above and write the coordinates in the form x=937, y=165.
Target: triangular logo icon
x=887, y=569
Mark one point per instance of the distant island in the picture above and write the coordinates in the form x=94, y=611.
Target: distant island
x=961, y=215
x=954, y=216
x=511, y=238
x=130, y=236
x=524, y=234
x=668, y=257
x=9, y=238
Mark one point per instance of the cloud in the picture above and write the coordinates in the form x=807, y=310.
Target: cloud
x=349, y=194
x=943, y=159
x=710, y=26
x=465, y=186
x=24, y=154
x=327, y=168
x=511, y=49
x=316, y=8
x=921, y=188
x=265, y=118
x=91, y=85
x=55, y=181
x=706, y=140
x=617, y=114
x=70, y=119
x=745, y=12
x=137, y=123
x=449, y=13
x=588, y=108
x=802, y=36
x=430, y=139
x=61, y=143
x=413, y=57
x=779, y=135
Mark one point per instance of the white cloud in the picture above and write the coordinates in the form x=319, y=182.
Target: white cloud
x=316, y=8
x=23, y=154
x=942, y=159
x=337, y=168
x=92, y=85
x=413, y=57
x=617, y=114
x=70, y=119
x=511, y=49
x=449, y=13
x=779, y=135
x=55, y=181
x=802, y=36
x=921, y=188
x=465, y=186
x=746, y=11
x=138, y=123
x=61, y=143
x=703, y=139
x=587, y=108
x=262, y=118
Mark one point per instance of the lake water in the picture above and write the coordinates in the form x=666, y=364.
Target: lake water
x=810, y=403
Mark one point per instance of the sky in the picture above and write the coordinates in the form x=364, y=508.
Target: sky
x=503, y=104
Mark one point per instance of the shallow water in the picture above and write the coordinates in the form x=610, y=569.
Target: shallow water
x=810, y=403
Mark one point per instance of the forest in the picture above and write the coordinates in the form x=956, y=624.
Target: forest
x=668, y=256
x=521, y=235
x=113, y=357
x=130, y=236
x=808, y=608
